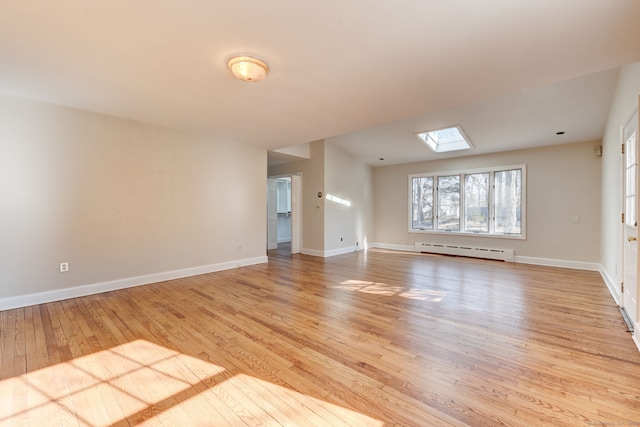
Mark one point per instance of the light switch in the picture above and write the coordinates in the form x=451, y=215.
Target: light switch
x=575, y=219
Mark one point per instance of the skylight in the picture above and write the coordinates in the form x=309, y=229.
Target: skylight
x=443, y=140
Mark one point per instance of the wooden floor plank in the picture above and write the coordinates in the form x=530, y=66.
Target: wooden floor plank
x=376, y=338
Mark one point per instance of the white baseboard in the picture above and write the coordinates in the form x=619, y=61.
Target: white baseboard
x=112, y=285
x=340, y=251
x=635, y=337
x=614, y=290
x=393, y=247
x=576, y=265
x=330, y=253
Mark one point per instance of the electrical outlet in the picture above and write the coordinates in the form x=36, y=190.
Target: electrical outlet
x=64, y=267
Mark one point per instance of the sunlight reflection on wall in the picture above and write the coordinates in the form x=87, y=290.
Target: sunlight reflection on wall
x=338, y=200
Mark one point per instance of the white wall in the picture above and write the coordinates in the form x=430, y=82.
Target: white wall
x=347, y=228
x=625, y=102
x=331, y=170
x=118, y=200
x=562, y=181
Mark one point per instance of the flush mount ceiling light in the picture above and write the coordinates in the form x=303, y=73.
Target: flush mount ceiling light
x=248, y=68
x=443, y=140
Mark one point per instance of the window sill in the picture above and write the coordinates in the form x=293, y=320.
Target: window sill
x=461, y=233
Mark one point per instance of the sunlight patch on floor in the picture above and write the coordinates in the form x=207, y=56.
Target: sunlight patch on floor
x=148, y=384
x=388, y=290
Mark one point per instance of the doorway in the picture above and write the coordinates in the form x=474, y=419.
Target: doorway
x=284, y=214
x=628, y=299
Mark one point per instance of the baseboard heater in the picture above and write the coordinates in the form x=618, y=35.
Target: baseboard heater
x=468, y=251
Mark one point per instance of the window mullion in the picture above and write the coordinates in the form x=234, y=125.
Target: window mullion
x=462, y=205
x=436, y=203
x=492, y=208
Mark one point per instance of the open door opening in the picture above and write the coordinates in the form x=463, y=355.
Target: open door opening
x=283, y=214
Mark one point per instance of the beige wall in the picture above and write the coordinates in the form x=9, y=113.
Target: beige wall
x=331, y=170
x=625, y=102
x=352, y=180
x=119, y=199
x=562, y=181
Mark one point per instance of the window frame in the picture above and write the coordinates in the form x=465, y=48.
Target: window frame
x=462, y=207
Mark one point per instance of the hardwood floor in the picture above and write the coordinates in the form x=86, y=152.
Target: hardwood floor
x=362, y=339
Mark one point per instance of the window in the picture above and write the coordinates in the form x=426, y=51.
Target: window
x=478, y=202
x=444, y=140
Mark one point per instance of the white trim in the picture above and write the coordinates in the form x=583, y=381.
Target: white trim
x=393, y=247
x=332, y=252
x=635, y=337
x=611, y=285
x=576, y=265
x=470, y=234
x=112, y=285
x=340, y=251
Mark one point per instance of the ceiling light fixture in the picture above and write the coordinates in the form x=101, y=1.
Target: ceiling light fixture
x=248, y=68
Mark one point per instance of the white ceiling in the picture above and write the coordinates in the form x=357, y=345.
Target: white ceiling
x=365, y=74
x=522, y=119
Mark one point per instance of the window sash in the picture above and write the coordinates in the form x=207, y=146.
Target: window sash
x=477, y=202
x=448, y=194
x=422, y=203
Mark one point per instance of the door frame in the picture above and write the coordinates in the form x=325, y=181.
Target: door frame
x=296, y=211
x=629, y=232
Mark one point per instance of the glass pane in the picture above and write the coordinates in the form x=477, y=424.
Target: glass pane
x=630, y=149
x=442, y=140
x=422, y=204
x=630, y=213
x=476, y=202
x=508, y=195
x=631, y=180
x=449, y=203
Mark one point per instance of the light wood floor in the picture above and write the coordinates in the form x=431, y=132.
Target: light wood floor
x=362, y=339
